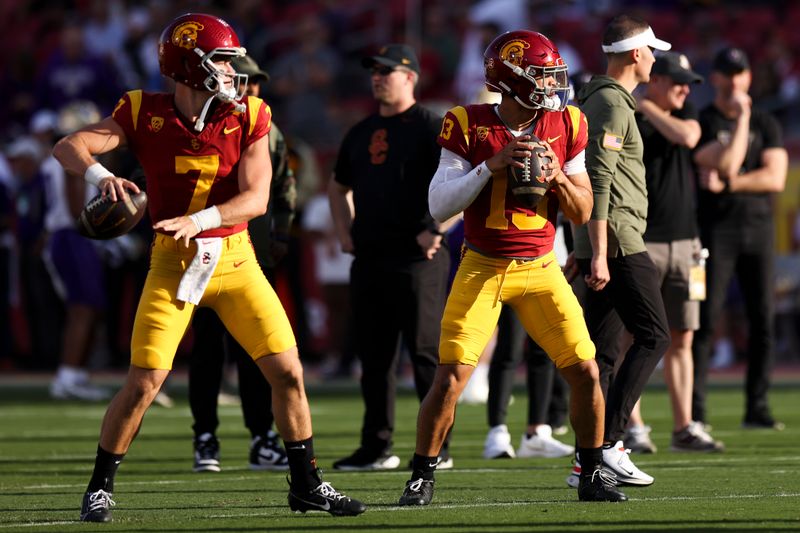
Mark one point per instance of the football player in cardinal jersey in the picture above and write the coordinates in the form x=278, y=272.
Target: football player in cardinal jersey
x=508, y=248
x=205, y=153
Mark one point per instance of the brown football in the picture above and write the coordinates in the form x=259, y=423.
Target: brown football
x=103, y=218
x=528, y=184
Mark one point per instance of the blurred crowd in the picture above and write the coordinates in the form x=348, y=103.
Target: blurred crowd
x=64, y=57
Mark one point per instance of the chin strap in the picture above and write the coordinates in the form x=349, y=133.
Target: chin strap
x=199, y=124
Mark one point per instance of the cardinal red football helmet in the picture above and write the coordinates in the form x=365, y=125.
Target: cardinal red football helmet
x=526, y=65
x=188, y=48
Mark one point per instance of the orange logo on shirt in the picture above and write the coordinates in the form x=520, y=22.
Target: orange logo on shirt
x=195, y=144
x=378, y=147
x=483, y=132
x=185, y=35
x=156, y=123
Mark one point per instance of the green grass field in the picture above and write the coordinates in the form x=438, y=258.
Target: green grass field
x=47, y=452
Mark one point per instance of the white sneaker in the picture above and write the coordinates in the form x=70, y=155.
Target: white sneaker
x=617, y=459
x=164, y=400
x=77, y=390
x=542, y=444
x=498, y=443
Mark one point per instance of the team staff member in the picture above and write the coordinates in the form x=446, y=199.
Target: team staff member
x=509, y=256
x=623, y=282
x=670, y=130
x=398, y=279
x=269, y=234
x=743, y=164
x=205, y=153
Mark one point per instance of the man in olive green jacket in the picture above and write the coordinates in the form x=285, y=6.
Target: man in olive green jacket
x=623, y=283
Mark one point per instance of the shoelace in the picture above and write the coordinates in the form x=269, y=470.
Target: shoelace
x=416, y=485
x=327, y=491
x=100, y=500
x=608, y=478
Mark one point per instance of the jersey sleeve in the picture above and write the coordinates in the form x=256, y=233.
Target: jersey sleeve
x=454, y=134
x=126, y=113
x=578, y=131
x=259, y=120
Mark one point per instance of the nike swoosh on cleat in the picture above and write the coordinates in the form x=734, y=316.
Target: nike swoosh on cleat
x=326, y=507
x=301, y=447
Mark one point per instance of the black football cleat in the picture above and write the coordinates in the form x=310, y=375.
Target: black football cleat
x=417, y=492
x=599, y=487
x=324, y=498
x=96, y=506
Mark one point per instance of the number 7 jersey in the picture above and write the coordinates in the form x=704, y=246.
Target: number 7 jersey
x=496, y=223
x=188, y=171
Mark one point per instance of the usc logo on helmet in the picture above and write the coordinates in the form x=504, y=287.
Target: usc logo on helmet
x=185, y=35
x=512, y=52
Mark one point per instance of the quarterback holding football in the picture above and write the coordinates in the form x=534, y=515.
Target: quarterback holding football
x=508, y=240
x=205, y=153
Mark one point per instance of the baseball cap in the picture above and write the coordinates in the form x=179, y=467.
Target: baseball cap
x=677, y=67
x=393, y=55
x=730, y=61
x=247, y=65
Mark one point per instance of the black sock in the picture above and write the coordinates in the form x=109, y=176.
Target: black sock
x=423, y=467
x=105, y=468
x=591, y=459
x=302, y=464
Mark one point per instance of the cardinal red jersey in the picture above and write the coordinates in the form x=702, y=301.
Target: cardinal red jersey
x=188, y=171
x=496, y=223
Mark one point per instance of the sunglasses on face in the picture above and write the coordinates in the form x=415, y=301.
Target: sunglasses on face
x=382, y=70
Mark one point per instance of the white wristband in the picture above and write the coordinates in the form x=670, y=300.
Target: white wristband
x=96, y=173
x=208, y=218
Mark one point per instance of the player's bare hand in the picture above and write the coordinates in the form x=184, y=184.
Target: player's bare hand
x=184, y=228
x=552, y=170
x=429, y=243
x=600, y=275
x=519, y=147
x=117, y=187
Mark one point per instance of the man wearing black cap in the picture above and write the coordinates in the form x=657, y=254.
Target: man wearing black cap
x=379, y=201
x=670, y=131
x=269, y=235
x=742, y=164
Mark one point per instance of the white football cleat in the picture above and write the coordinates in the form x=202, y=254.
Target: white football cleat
x=61, y=389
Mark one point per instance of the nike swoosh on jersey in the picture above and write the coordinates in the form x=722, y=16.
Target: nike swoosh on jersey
x=553, y=139
x=229, y=130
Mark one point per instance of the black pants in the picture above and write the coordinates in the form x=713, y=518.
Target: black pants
x=631, y=300
x=390, y=299
x=748, y=254
x=206, y=364
x=547, y=390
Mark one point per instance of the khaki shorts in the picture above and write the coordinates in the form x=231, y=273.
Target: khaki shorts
x=673, y=261
x=238, y=292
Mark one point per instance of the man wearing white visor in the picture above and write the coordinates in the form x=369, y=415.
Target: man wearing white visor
x=624, y=289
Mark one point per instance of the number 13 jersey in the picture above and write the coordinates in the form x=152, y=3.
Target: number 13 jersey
x=496, y=223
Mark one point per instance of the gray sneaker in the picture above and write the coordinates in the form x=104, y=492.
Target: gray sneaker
x=637, y=440
x=693, y=438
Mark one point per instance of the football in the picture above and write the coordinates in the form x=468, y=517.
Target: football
x=103, y=218
x=528, y=183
